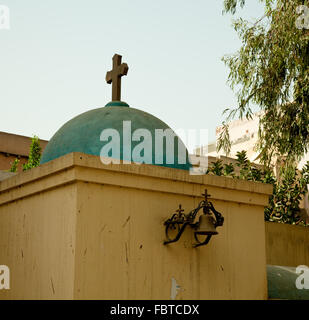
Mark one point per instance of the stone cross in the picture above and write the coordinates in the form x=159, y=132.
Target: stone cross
x=114, y=76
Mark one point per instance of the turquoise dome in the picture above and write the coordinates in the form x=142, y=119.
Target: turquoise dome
x=82, y=134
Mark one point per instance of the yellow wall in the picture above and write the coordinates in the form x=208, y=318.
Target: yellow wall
x=287, y=245
x=37, y=237
x=93, y=231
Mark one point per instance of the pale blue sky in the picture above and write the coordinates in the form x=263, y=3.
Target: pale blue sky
x=54, y=59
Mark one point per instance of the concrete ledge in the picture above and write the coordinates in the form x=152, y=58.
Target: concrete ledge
x=5, y=175
x=82, y=167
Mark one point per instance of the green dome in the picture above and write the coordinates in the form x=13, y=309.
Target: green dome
x=282, y=283
x=82, y=134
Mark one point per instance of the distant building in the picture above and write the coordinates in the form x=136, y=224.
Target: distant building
x=243, y=135
x=14, y=146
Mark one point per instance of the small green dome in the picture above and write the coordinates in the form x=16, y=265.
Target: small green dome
x=282, y=283
x=82, y=134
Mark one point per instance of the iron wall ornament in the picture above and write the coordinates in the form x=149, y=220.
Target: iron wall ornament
x=206, y=226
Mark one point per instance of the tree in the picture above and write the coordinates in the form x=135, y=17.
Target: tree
x=33, y=158
x=34, y=154
x=14, y=165
x=271, y=70
x=284, y=203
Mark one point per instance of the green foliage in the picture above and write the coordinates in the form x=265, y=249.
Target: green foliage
x=287, y=192
x=271, y=70
x=224, y=141
x=33, y=158
x=231, y=5
x=228, y=170
x=34, y=154
x=244, y=165
x=14, y=165
x=284, y=203
x=216, y=168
